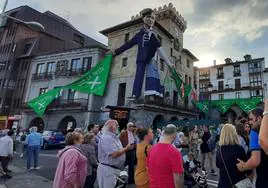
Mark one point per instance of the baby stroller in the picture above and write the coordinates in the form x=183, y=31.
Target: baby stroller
x=194, y=176
x=122, y=179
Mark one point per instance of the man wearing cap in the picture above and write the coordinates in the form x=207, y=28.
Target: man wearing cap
x=127, y=137
x=111, y=155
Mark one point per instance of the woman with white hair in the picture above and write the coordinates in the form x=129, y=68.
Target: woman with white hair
x=226, y=157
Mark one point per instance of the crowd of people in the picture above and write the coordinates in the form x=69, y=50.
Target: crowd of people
x=11, y=142
x=101, y=154
x=168, y=158
x=172, y=157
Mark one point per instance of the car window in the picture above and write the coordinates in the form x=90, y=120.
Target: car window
x=57, y=133
x=47, y=133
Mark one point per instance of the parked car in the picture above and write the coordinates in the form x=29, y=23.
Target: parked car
x=53, y=138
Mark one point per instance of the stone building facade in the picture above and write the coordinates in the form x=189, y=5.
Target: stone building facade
x=233, y=80
x=71, y=109
x=169, y=28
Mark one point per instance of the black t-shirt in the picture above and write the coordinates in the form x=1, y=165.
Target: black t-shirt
x=230, y=155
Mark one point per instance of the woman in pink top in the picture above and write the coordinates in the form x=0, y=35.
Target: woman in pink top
x=72, y=167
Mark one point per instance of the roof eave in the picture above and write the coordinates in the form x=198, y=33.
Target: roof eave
x=190, y=54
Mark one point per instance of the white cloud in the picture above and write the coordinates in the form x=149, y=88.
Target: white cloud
x=222, y=21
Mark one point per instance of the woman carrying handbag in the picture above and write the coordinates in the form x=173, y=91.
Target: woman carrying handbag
x=226, y=158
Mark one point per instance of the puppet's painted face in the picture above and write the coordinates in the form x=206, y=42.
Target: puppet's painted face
x=149, y=20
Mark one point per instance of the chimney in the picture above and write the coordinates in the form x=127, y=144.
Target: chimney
x=247, y=57
x=228, y=60
x=214, y=62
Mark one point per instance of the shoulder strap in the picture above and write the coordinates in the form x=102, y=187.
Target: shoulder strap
x=226, y=169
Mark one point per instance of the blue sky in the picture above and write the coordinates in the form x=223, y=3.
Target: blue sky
x=216, y=28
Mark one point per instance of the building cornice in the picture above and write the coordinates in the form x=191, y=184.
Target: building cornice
x=232, y=64
x=190, y=54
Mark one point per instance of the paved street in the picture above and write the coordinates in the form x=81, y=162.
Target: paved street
x=48, y=163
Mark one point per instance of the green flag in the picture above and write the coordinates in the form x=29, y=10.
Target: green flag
x=187, y=90
x=223, y=105
x=177, y=79
x=94, y=81
x=202, y=106
x=248, y=104
x=40, y=103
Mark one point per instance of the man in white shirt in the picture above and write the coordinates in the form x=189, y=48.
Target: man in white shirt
x=6, y=150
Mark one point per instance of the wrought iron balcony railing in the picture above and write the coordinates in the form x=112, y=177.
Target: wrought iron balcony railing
x=42, y=76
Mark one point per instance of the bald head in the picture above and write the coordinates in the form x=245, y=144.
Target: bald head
x=111, y=125
x=170, y=129
x=170, y=133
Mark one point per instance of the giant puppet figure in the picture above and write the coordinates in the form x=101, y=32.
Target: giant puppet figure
x=148, y=46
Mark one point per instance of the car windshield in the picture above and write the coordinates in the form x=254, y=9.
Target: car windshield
x=47, y=133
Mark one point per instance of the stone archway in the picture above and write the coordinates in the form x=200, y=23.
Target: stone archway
x=173, y=119
x=230, y=116
x=158, y=122
x=202, y=115
x=238, y=111
x=37, y=122
x=67, y=123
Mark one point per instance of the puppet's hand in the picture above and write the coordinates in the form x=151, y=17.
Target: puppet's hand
x=172, y=65
x=110, y=51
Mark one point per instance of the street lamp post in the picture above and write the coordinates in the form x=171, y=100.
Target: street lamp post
x=32, y=24
x=209, y=86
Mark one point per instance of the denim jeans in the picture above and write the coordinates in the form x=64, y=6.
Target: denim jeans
x=32, y=152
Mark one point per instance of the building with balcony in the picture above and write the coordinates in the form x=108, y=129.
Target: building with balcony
x=19, y=43
x=71, y=109
x=233, y=80
x=169, y=28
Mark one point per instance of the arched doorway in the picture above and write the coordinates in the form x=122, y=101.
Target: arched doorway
x=67, y=123
x=202, y=115
x=174, y=120
x=230, y=116
x=158, y=122
x=37, y=122
x=215, y=114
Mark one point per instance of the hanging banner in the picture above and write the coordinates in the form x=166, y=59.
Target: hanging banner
x=202, y=106
x=39, y=104
x=248, y=104
x=94, y=81
x=224, y=105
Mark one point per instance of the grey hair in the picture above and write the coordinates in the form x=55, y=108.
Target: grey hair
x=106, y=127
x=78, y=130
x=130, y=124
x=170, y=129
x=33, y=129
